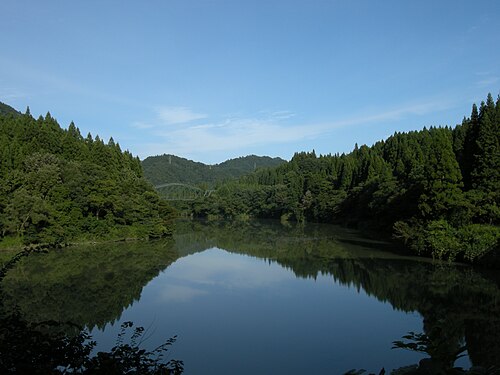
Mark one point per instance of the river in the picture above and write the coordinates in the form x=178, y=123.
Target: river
x=261, y=297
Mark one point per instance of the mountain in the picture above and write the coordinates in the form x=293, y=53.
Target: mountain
x=7, y=110
x=170, y=168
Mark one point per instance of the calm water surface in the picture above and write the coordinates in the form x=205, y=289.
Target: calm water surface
x=264, y=298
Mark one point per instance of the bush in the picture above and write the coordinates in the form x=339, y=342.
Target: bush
x=441, y=240
x=478, y=239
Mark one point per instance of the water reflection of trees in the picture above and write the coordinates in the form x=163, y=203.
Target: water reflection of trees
x=63, y=347
x=89, y=285
x=459, y=305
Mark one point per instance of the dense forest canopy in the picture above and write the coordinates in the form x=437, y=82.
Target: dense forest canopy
x=437, y=190
x=58, y=186
x=170, y=168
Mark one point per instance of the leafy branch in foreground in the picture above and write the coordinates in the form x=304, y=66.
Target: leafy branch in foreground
x=442, y=357
x=125, y=358
x=51, y=347
x=45, y=348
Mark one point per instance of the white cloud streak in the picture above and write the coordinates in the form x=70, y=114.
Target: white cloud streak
x=56, y=82
x=182, y=137
x=487, y=81
x=178, y=115
x=6, y=95
x=142, y=125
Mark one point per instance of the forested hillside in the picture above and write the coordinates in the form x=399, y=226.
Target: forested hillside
x=57, y=186
x=437, y=190
x=7, y=110
x=170, y=168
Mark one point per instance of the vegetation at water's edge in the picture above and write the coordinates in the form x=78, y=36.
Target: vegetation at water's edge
x=170, y=168
x=57, y=186
x=437, y=190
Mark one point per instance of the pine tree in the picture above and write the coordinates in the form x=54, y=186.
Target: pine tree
x=485, y=174
x=443, y=179
x=470, y=147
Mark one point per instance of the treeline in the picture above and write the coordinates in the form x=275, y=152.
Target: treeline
x=57, y=186
x=437, y=190
x=173, y=169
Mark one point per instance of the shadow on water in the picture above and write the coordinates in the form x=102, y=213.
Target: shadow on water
x=91, y=286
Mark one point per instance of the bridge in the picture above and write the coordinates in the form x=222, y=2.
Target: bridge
x=176, y=191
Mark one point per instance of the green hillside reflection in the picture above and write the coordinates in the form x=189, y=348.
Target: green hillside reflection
x=459, y=305
x=92, y=285
x=86, y=285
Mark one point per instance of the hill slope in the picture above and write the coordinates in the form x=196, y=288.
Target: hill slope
x=7, y=110
x=437, y=190
x=58, y=186
x=170, y=168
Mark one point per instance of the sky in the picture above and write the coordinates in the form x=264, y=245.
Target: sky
x=213, y=80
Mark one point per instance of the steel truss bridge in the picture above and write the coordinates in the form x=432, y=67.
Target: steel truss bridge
x=176, y=191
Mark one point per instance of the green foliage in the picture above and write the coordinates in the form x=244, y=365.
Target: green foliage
x=8, y=110
x=435, y=344
x=58, y=187
x=170, y=168
x=44, y=348
x=427, y=188
x=441, y=240
x=478, y=239
x=130, y=358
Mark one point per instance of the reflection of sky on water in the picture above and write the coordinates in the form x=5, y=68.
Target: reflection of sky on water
x=179, y=293
x=239, y=314
x=212, y=270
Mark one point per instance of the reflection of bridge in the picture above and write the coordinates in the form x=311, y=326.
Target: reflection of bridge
x=176, y=191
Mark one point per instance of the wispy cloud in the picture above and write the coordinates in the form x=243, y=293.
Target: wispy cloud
x=7, y=95
x=238, y=133
x=282, y=115
x=58, y=82
x=178, y=115
x=489, y=81
x=418, y=109
x=235, y=134
x=142, y=125
x=486, y=78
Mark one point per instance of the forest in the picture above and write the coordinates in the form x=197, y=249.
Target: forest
x=59, y=187
x=170, y=168
x=436, y=190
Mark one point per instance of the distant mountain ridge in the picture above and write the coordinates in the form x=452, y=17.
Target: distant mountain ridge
x=168, y=168
x=8, y=110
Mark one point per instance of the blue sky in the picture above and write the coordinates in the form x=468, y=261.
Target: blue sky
x=212, y=80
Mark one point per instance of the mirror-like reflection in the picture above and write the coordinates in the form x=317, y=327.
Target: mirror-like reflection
x=267, y=298
x=88, y=285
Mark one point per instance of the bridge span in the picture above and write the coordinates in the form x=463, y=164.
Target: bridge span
x=177, y=191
